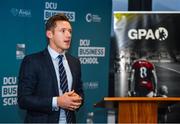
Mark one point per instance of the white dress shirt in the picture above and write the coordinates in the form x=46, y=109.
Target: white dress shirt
x=54, y=56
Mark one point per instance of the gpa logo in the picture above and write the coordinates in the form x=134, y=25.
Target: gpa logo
x=160, y=34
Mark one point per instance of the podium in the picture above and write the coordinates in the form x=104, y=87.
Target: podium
x=138, y=109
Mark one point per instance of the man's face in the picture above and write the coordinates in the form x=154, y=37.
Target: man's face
x=60, y=36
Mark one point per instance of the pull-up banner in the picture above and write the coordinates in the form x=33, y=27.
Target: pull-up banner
x=23, y=32
x=154, y=37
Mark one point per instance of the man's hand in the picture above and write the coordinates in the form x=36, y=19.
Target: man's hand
x=69, y=100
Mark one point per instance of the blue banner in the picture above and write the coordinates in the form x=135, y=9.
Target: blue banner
x=22, y=33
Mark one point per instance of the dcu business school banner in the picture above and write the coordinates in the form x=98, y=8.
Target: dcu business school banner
x=22, y=33
x=154, y=36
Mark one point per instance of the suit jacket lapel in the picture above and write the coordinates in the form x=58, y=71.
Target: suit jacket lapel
x=50, y=66
x=72, y=69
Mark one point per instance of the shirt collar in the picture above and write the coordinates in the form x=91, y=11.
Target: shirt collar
x=54, y=54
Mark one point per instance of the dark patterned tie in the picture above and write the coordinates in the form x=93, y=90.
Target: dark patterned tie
x=64, y=85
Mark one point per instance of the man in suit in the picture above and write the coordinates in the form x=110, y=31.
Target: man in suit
x=39, y=88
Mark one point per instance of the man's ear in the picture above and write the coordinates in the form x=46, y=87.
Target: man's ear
x=49, y=34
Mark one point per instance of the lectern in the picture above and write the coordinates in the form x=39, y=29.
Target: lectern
x=139, y=109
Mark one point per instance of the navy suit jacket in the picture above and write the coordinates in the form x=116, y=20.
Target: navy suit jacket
x=38, y=84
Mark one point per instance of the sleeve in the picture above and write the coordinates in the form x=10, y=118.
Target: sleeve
x=79, y=88
x=54, y=104
x=27, y=87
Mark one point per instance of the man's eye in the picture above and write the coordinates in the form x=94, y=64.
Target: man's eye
x=63, y=30
x=70, y=31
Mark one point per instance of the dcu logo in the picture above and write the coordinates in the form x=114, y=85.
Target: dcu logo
x=160, y=34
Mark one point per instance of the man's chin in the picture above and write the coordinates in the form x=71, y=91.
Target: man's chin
x=66, y=48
